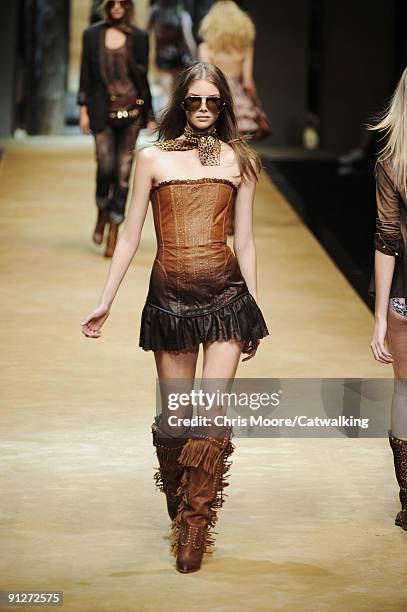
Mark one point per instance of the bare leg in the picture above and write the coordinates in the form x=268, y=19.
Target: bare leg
x=221, y=359
x=397, y=343
x=206, y=463
x=176, y=374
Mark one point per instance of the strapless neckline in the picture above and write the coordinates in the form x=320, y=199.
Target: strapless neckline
x=194, y=182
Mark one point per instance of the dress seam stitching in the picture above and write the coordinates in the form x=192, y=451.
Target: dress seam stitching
x=197, y=314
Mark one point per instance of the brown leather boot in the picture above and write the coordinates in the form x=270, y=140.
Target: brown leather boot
x=201, y=492
x=98, y=232
x=111, y=239
x=168, y=476
x=399, y=448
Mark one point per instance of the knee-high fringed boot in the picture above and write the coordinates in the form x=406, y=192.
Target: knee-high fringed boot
x=168, y=475
x=399, y=448
x=202, y=493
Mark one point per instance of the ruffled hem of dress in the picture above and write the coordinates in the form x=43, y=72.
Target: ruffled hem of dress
x=241, y=319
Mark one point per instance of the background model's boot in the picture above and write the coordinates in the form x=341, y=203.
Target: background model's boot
x=399, y=448
x=168, y=476
x=111, y=239
x=201, y=491
x=100, y=225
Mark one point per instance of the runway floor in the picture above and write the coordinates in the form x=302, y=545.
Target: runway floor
x=308, y=524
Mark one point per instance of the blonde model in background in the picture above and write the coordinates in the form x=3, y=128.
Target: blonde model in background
x=389, y=278
x=228, y=36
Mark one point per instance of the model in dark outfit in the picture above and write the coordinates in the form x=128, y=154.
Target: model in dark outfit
x=197, y=292
x=112, y=79
x=391, y=239
x=115, y=144
x=172, y=28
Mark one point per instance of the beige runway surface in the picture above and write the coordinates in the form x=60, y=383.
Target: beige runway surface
x=308, y=524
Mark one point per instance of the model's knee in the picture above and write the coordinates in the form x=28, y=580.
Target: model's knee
x=105, y=171
x=124, y=175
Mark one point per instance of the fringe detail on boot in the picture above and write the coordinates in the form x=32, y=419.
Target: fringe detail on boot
x=200, y=453
x=221, y=482
x=167, y=459
x=195, y=452
x=183, y=505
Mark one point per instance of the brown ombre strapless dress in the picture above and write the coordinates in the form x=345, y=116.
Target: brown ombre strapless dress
x=196, y=292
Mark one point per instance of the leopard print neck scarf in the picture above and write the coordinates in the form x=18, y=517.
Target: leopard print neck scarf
x=207, y=143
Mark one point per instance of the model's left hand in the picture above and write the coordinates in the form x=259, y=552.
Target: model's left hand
x=250, y=348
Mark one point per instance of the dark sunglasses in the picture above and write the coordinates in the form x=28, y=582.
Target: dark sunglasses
x=214, y=104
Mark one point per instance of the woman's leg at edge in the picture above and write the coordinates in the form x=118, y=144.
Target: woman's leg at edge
x=397, y=342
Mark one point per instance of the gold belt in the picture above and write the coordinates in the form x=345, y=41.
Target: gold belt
x=124, y=114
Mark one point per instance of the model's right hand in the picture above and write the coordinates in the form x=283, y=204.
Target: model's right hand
x=84, y=120
x=92, y=324
x=377, y=344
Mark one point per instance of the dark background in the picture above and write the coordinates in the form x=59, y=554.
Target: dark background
x=332, y=63
x=338, y=60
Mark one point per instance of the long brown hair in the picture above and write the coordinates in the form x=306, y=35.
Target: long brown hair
x=128, y=15
x=173, y=119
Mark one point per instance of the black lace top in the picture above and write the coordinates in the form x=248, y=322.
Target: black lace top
x=117, y=72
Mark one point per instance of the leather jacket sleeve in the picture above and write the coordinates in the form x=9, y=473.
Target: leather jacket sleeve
x=141, y=55
x=84, y=82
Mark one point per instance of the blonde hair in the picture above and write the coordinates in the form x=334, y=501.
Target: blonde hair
x=227, y=28
x=393, y=122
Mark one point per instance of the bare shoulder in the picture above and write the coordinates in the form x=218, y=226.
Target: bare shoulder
x=228, y=151
x=146, y=162
x=151, y=159
x=148, y=154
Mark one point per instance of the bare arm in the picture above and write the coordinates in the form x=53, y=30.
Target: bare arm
x=127, y=245
x=243, y=239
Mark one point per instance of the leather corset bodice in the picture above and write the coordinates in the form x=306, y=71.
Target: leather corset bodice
x=194, y=271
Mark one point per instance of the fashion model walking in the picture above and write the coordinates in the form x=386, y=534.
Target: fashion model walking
x=228, y=36
x=389, y=279
x=115, y=102
x=200, y=292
